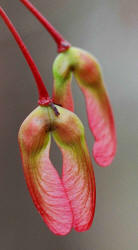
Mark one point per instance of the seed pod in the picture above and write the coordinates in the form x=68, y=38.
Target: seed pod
x=89, y=78
x=70, y=201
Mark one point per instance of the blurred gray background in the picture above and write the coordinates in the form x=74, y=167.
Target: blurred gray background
x=109, y=30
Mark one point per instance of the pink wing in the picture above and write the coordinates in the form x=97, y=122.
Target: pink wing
x=62, y=95
x=78, y=176
x=79, y=182
x=100, y=116
x=42, y=179
x=101, y=123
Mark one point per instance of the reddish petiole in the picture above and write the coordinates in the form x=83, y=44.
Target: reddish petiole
x=44, y=98
x=62, y=44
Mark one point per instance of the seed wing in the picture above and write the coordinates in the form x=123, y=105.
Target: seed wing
x=43, y=181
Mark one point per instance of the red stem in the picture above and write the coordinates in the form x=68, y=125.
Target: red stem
x=44, y=98
x=62, y=44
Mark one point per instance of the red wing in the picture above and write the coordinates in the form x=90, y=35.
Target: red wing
x=100, y=117
x=42, y=179
x=79, y=182
x=101, y=123
x=62, y=95
x=78, y=176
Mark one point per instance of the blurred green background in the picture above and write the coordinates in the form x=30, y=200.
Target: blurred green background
x=107, y=29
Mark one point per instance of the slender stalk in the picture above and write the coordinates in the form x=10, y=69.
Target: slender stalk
x=44, y=98
x=62, y=44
